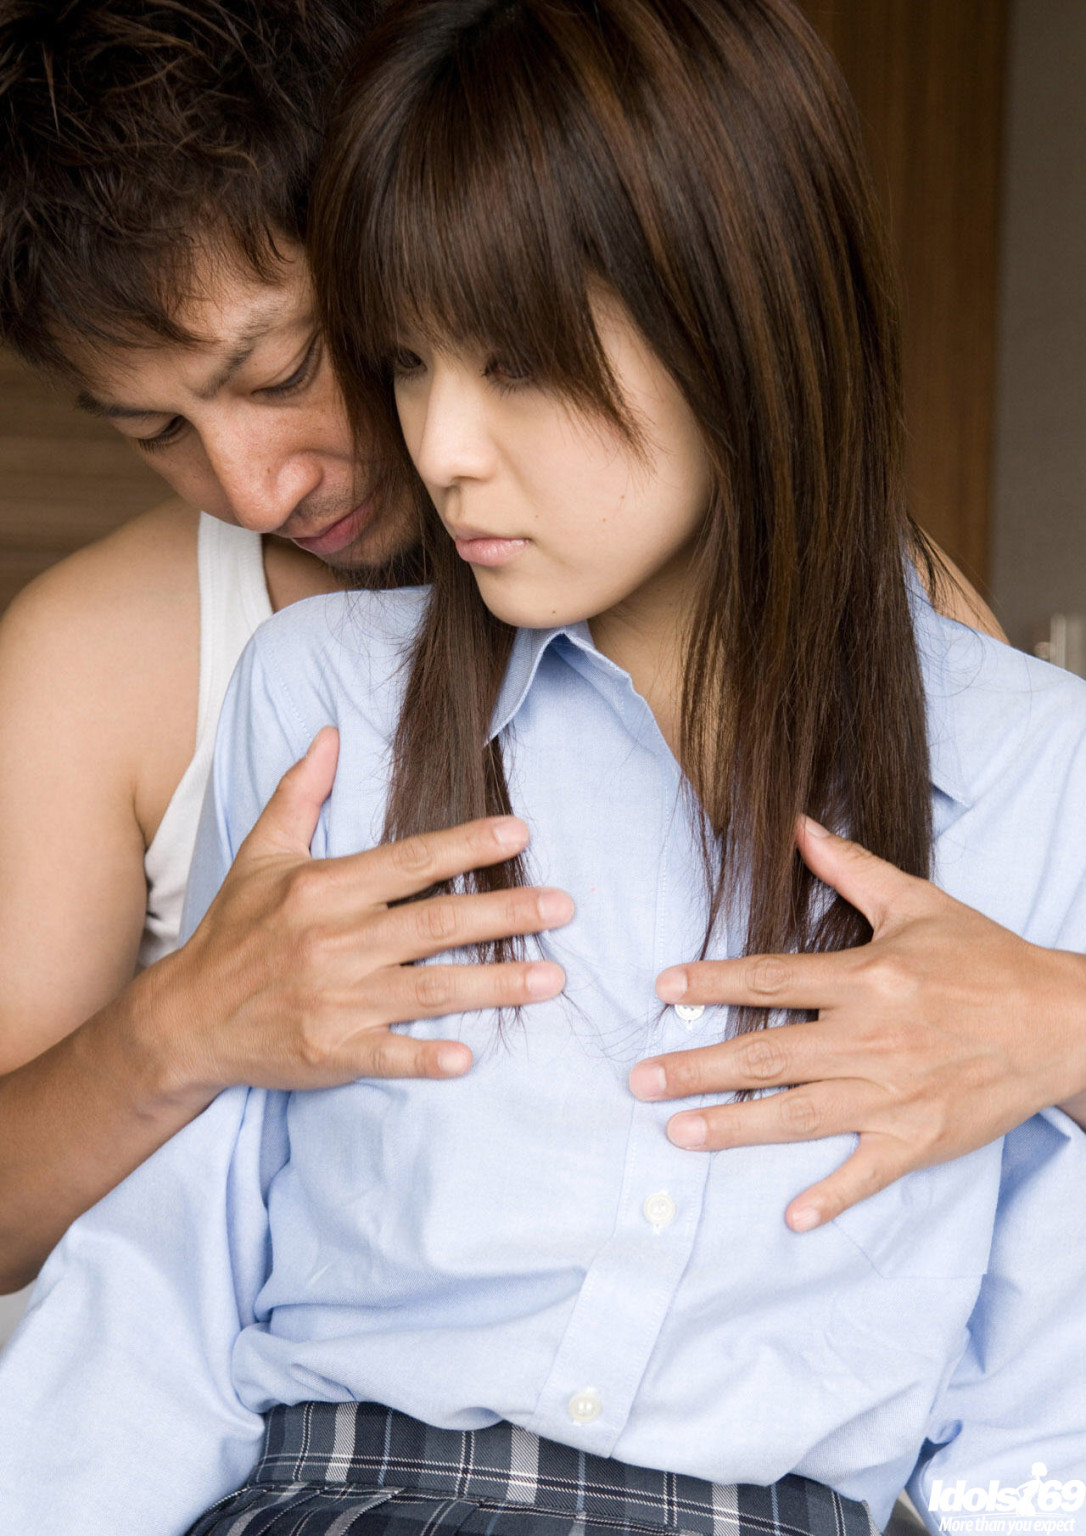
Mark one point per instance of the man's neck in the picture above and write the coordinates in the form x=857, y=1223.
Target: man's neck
x=291, y=574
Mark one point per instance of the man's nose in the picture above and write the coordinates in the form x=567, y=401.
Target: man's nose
x=261, y=479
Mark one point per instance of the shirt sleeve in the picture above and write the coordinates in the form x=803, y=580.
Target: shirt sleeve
x=1011, y=1423
x=117, y=1407
x=118, y=1410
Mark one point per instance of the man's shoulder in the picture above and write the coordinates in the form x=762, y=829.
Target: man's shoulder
x=141, y=577
x=100, y=660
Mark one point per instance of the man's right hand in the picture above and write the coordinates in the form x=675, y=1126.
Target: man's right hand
x=301, y=965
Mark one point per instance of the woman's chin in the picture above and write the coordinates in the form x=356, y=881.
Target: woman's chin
x=538, y=607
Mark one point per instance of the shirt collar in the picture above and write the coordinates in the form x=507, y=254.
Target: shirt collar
x=943, y=679
x=529, y=647
x=946, y=769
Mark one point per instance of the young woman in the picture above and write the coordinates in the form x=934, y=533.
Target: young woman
x=606, y=282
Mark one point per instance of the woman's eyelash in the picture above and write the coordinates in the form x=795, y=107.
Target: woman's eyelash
x=507, y=375
x=403, y=362
x=503, y=373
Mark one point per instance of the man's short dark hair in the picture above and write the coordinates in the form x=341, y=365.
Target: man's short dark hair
x=135, y=134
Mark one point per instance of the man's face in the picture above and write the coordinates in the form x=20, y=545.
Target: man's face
x=249, y=425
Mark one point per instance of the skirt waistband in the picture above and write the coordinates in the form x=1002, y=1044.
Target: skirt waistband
x=366, y=1444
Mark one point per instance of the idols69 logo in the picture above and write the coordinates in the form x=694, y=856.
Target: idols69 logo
x=1040, y=1504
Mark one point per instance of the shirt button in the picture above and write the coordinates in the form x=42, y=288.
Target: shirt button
x=585, y=1405
x=659, y=1209
x=689, y=1012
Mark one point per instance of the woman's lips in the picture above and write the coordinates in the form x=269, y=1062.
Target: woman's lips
x=483, y=550
x=339, y=534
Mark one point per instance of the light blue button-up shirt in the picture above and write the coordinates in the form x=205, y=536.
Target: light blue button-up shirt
x=524, y=1243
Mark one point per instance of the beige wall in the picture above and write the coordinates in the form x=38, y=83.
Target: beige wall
x=1039, y=525
x=65, y=478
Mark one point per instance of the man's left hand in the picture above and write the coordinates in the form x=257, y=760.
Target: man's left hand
x=942, y=1033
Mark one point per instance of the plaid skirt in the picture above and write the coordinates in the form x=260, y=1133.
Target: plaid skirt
x=359, y=1469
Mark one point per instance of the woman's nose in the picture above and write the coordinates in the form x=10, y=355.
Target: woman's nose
x=452, y=433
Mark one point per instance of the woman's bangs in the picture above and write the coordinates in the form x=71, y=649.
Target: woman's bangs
x=479, y=244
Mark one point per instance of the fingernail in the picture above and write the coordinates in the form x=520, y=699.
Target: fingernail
x=555, y=906
x=510, y=833
x=688, y=1131
x=806, y=1218
x=648, y=1081
x=545, y=979
x=671, y=984
x=453, y=1060
x=815, y=828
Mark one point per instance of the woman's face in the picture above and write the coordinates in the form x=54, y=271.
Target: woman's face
x=560, y=517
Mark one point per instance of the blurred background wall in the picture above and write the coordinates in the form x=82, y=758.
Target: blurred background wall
x=1038, y=545
x=928, y=80
x=65, y=478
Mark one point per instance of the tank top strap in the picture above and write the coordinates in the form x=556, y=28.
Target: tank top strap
x=233, y=602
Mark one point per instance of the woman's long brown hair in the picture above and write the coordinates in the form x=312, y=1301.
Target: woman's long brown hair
x=496, y=163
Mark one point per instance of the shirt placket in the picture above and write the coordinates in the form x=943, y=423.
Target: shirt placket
x=607, y=1345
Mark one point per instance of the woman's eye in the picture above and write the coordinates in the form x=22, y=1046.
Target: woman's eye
x=404, y=362
x=301, y=375
x=507, y=373
x=169, y=434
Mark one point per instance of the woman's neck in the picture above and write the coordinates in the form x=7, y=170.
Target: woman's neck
x=646, y=637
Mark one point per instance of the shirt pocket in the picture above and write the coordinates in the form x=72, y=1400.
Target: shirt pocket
x=937, y=1222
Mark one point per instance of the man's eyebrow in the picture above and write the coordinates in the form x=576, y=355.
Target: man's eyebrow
x=239, y=355
x=93, y=407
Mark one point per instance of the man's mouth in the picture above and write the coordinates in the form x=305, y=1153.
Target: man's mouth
x=337, y=535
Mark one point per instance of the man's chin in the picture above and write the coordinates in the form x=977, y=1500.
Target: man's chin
x=373, y=569
x=386, y=553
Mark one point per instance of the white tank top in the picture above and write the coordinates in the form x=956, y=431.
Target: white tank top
x=233, y=602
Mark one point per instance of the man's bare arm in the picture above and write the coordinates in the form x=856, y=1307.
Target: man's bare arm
x=292, y=980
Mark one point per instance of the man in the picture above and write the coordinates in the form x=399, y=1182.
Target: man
x=155, y=171
x=153, y=191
